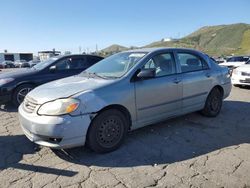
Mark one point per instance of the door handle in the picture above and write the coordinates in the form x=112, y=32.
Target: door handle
x=177, y=80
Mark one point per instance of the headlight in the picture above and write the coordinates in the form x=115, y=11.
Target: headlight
x=236, y=72
x=5, y=80
x=59, y=107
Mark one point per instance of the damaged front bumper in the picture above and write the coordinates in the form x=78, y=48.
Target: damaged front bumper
x=55, y=131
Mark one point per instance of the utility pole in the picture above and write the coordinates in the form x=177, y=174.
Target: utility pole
x=80, y=49
x=96, y=49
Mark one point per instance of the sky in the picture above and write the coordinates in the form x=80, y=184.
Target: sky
x=73, y=25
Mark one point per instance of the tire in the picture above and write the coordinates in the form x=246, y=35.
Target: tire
x=213, y=103
x=20, y=92
x=107, y=131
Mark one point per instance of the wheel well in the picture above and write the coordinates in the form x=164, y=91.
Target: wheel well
x=122, y=109
x=30, y=83
x=117, y=107
x=220, y=89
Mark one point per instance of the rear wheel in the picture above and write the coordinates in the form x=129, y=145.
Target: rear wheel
x=107, y=131
x=213, y=103
x=20, y=93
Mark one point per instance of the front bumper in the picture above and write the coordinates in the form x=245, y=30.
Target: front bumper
x=240, y=80
x=54, y=131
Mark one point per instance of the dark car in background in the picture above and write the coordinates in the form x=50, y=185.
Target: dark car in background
x=33, y=62
x=15, y=85
x=21, y=64
x=7, y=64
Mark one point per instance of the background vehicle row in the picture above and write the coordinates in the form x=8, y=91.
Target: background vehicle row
x=15, y=85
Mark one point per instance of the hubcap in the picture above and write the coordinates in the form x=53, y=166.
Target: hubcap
x=22, y=93
x=215, y=103
x=110, y=132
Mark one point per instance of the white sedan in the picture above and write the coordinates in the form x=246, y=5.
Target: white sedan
x=241, y=75
x=235, y=61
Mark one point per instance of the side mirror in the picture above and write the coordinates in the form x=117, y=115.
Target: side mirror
x=52, y=69
x=146, y=73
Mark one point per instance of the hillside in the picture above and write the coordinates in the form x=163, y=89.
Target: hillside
x=113, y=49
x=215, y=40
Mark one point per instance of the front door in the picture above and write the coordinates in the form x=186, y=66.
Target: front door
x=63, y=68
x=160, y=97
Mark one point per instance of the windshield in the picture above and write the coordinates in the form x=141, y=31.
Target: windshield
x=44, y=64
x=116, y=65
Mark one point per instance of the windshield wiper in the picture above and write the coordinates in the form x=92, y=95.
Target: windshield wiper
x=97, y=75
x=112, y=77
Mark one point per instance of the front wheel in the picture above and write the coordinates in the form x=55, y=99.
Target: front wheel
x=213, y=103
x=20, y=93
x=107, y=131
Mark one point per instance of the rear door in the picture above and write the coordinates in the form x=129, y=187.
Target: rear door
x=159, y=97
x=196, y=80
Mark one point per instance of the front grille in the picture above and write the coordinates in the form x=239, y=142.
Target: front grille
x=245, y=81
x=245, y=73
x=29, y=104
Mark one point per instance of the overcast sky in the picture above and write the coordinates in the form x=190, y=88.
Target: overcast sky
x=31, y=25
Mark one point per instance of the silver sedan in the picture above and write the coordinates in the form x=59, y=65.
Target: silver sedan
x=123, y=92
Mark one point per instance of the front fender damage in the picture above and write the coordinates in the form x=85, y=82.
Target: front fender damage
x=90, y=104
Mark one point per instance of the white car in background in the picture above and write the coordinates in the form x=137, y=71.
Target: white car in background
x=235, y=61
x=241, y=75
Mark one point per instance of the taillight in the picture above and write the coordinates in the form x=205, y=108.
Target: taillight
x=229, y=73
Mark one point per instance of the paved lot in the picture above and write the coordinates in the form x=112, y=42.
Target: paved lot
x=190, y=151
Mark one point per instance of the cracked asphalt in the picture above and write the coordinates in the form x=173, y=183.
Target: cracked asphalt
x=188, y=151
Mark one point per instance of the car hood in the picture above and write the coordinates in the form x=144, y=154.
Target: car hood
x=66, y=87
x=233, y=64
x=17, y=73
x=244, y=68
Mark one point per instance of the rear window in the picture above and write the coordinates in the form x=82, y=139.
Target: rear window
x=190, y=62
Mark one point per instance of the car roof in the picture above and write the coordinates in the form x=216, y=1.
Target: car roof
x=72, y=55
x=149, y=50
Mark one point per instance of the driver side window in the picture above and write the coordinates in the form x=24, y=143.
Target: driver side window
x=63, y=64
x=163, y=64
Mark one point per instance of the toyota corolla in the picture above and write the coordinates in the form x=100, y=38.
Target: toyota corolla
x=123, y=92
